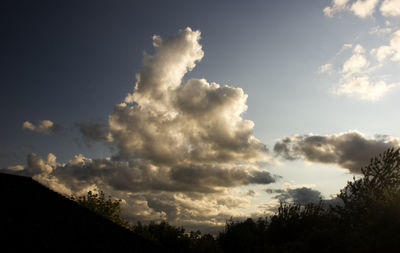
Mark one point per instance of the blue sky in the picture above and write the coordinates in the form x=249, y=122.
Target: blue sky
x=322, y=74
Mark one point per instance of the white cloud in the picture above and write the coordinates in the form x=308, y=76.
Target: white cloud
x=364, y=8
x=170, y=123
x=390, y=8
x=383, y=52
x=326, y=68
x=356, y=81
x=357, y=62
x=337, y=5
x=44, y=127
x=377, y=30
x=393, y=49
x=363, y=88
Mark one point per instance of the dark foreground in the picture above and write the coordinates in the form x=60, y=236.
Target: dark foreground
x=34, y=218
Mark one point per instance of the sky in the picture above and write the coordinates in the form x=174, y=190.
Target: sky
x=197, y=111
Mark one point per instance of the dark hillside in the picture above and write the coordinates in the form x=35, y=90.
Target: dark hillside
x=35, y=218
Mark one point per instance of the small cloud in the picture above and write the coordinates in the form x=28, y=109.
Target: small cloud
x=364, y=8
x=326, y=68
x=377, y=30
x=363, y=88
x=393, y=49
x=390, y=8
x=251, y=193
x=15, y=168
x=43, y=127
x=94, y=131
x=355, y=64
x=349, y=150
x=337, y=5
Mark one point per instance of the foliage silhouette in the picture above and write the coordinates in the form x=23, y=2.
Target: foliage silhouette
x=175, y=239
x=368, y=220
x=106, y=207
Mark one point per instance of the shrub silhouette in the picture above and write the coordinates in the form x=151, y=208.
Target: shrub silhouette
x=106, y=207
x=174, y=239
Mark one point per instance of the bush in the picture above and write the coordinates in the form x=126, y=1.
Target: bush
x=106, y=207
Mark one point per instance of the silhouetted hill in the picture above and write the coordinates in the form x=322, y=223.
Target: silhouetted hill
x=35, y=218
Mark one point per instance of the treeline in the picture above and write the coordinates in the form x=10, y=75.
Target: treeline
x=368, y=220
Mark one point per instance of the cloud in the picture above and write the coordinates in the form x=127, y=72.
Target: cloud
x=377, y=30
x=337, y=5
x=350, y=150
x=363, y=88
x=198, y=123
x=44, y=127
x=302, y=195
x=182, y=149
x=390, y=8
x=393, y=49
x=326, y=68
x=364, y=8
x=357, y=62
x=94, y=131
x=355, y=80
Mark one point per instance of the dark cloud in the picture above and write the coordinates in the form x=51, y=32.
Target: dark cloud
x=302, y=196
x=93, y=131
x=350, y=150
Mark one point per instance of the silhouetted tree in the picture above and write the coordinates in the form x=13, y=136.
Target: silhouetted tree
x=368, y=220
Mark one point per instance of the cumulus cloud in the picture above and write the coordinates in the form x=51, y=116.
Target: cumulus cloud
x=170, y=123
x=43, y=127
x=392, y=50
x=390, y=8
x=357, y=62
x=364, y=8
x=181, y=148
x=349, y=150
x=355, y=80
